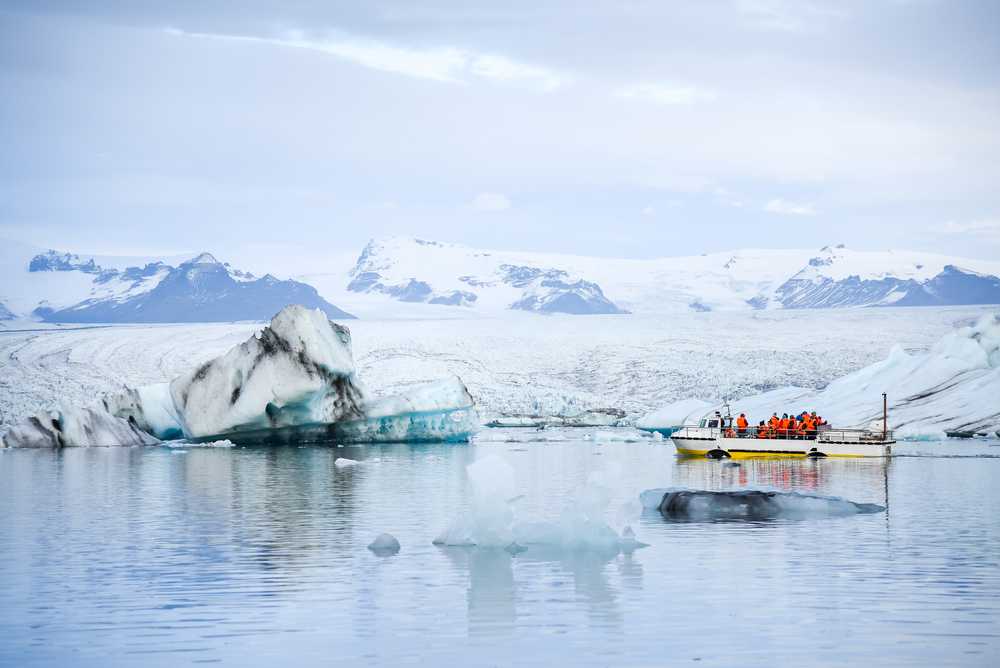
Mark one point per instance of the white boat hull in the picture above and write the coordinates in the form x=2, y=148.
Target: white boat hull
x=739, y=448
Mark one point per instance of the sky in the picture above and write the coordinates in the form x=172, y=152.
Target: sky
x=300, y=129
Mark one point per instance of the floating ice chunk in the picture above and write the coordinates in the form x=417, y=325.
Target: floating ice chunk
x=620, y=436
x=384, y=545
x=75, y=427
x=223, y=443
x=488, y=523
x=750, y=504
x=297, y=370
x=344, y=462
x=491, y=520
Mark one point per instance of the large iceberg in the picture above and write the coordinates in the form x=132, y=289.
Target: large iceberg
x=295, y=380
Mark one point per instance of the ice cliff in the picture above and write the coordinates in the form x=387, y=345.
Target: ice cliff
x=295, y=378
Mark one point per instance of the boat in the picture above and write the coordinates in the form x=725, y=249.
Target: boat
x=717, y=437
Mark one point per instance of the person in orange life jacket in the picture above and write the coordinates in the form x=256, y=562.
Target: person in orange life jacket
x=793, y=427
x=762, y=430
x=783, y=426
x=742, y=424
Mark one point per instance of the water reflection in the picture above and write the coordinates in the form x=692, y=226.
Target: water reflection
x=822, y=476
x=199, y=556
x=500, y=582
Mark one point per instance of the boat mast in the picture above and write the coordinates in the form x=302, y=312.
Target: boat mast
x=885, y=416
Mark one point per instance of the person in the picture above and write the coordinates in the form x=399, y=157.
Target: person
x=742, y=424
x=762, y=430
x=808, y=428
x=793, y=427
x=783, y=426
x=773, y=424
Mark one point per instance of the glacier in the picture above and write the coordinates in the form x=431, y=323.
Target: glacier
x=293, y=381
x=955, y=385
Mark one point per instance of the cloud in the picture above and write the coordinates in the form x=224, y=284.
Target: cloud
x=648, y=211
x=787, y=15
x=490, y=202
x=445, y=64
x=988, y=230
x=666, y=94
x=788, y=208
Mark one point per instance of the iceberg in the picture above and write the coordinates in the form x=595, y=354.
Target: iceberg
x=75, y=426
x=297, y=370
x=294, y=381
x=491, y=520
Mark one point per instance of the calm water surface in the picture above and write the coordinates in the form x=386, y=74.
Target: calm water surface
x=257, y=557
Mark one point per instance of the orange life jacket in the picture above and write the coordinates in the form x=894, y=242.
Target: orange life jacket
x=773, y=422
x=741, y=422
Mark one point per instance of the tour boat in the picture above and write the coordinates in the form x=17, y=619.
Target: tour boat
x=718, y=437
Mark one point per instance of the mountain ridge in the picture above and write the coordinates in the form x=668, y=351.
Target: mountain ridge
x=72, y=289
x=419, y=270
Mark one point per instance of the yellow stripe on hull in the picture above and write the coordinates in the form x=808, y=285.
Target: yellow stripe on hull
x=760, y=455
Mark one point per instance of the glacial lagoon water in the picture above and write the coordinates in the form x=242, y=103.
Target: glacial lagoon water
x=257, y=556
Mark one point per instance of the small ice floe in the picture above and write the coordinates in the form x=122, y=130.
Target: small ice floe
x=384, y=545
x=628, y=542
x=619, y=436
x=344, y=462
x=224, y=443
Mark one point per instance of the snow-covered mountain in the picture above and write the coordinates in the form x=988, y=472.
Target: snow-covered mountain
x=66, y=288
x=415, y=270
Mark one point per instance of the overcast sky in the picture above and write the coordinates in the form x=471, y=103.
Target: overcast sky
x=300, y=128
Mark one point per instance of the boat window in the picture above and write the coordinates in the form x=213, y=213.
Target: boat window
x=702, y=423
x=713, y=424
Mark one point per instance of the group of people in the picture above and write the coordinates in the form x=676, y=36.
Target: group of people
x=803, y=425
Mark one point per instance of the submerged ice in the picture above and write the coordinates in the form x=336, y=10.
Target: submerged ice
x=295, y=379
x=749, y=504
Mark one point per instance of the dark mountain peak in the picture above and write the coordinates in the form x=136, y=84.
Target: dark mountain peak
x=203, y=258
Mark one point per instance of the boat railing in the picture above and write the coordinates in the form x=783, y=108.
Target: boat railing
x=692, y=431
x=824, y=433
x=855, y=436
